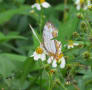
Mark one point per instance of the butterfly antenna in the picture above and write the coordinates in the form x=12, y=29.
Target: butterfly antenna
x=34, y=33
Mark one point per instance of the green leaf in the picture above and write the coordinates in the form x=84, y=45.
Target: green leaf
x=59, y=7
x=7, y=15
x=10, y=36
x=28, y=65
x=10, y=63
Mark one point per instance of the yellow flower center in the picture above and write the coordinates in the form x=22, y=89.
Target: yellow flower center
x=58, y=56
x=81, y=1
x=39, y=50
x=70, y=43
x=40, y=1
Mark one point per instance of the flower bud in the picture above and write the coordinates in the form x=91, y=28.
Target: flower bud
x=68, y=82
x=80, y=15
x=80, y=45
x=52, y=71
x=83, y=24
x=57, y=81
x=32, y=11
x=90, y=38
x=86, y=55
x=75, y=34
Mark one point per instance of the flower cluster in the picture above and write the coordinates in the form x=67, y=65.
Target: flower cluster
x=57, y=58
x=54, y=59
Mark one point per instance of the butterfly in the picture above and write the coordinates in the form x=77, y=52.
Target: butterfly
x=51, y=46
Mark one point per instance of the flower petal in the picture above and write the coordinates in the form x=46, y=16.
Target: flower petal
x=36, y=56
x=70, y=46
x=37, y=6
x=62, y=65
x=45, y=5
x=85, y=7
x=50, y=60
x=77, y=1
x=76, y=44
x=78, y=7
x=54, y=64
x=43, y=57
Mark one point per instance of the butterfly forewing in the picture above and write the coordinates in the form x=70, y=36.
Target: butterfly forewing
x=48, y=35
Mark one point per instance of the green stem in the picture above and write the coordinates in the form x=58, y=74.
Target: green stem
x=40, y=76
x=63, y=86
x=65, y=12
x=50, y=81
x=41, y=20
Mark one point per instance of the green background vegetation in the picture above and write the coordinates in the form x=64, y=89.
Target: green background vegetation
x=20, y=72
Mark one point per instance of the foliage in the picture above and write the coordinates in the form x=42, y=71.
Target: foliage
x=19, y=71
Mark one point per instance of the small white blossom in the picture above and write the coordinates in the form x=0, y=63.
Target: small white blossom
x=81, y=4
x=39, y=54
x=71, y=44
x=54, y=64
x=54, y=61
x=50, y=60
x=76, y=44
x=39, y=5
x=89, y=3
x=45, y=5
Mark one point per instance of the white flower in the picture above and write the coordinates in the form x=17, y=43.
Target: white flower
x=40, y=4
x=58, y=59
x=62, y=65
x=37, y=6
x=89, y=4
x=50, y=60
x=45, y=5
x=71, y=44
x=39, y=54
x=81, y=4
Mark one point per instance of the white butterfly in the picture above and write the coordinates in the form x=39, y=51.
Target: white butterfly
x=49, y=33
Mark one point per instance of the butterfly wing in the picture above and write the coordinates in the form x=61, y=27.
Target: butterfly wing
x=48, y=35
